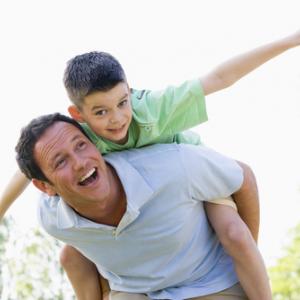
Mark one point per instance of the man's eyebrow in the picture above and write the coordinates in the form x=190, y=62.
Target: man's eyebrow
x=76, y=137
x=54, y=158
x=58, y=154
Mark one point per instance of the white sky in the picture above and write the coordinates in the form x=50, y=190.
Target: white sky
x=161, y=43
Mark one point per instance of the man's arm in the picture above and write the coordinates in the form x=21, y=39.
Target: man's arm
x=83, y=275
x=227, y=73
x=16, y=186
x=238, y=243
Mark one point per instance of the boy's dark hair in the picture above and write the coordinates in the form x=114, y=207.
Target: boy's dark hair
x=30, y=135
x=91, y=72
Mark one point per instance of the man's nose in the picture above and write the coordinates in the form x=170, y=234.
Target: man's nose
x=78, y=162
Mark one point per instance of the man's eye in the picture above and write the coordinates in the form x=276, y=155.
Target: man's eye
x=60, y=163
x=81, y=145
x=123, y=103
x=101, y=112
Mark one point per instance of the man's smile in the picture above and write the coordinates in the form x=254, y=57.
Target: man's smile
x=90, y=177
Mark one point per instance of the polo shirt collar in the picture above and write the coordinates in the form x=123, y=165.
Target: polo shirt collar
x=66, y=216
x=137, y=190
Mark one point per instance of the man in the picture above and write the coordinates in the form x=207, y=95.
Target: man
x=138, y=214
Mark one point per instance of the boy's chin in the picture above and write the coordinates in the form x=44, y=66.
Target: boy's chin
x=121, y=140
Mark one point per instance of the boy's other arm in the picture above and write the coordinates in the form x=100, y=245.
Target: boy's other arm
x=15, y=187
x=227, y=73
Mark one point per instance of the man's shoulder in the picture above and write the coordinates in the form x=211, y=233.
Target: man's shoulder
x=151, y=152
x=47, y=210
x=157, y=158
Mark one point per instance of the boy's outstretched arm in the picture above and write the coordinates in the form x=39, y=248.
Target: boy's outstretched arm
x=15, y=187
x=235, y=68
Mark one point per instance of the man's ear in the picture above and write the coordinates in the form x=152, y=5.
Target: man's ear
x=75, y=113
x=44, y=187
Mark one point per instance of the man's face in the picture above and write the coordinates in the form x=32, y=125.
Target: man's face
x=73, y=165
x=109, y=113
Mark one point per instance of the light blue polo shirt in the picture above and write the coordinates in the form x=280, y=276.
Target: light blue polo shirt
x=163, y=246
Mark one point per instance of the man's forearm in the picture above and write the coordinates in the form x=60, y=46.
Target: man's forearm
x=239, y=244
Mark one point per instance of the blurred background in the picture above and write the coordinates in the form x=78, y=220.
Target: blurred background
x=158, y=43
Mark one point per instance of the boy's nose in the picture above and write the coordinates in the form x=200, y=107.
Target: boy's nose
x=113, y=121
x=115, y=118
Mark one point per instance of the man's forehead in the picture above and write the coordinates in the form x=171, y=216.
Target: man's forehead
x=61, y=130
x=56, y=139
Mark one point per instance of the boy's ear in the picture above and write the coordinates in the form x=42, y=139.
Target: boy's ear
x=44, y=187
x=75, y=113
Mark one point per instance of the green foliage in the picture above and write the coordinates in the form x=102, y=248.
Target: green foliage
x=31, y=269
x=4, y=230
x=285, y=276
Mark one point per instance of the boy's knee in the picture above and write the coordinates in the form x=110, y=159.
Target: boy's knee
x=249, y=177
x=68, y=256
x=236, y=236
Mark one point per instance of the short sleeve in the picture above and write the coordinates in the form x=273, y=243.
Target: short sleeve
x=171, y=110
x=210, y=174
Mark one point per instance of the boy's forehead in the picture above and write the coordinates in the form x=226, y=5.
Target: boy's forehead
x=116, y=93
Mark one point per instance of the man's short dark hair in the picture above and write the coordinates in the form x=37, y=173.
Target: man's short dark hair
x=91, y=72
x=30, y=135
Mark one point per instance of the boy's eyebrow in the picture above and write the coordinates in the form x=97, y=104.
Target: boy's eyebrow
x=97, y=107
x=103, y=106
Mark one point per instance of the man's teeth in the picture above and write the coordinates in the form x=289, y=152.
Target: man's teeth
x=87, y=175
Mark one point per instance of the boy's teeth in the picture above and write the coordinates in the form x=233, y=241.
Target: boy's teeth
x=87, y=175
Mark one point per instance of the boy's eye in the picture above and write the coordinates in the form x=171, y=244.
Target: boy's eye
x=101, y=112
x=123, y=103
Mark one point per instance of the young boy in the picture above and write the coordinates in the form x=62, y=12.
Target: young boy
x=117, y=118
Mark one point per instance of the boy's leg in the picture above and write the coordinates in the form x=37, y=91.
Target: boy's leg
x=239, y=244
x=247, y=201
x=82, y=274
x=233, y=293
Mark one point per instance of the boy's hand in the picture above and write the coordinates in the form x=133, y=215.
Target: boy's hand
x=232, y=70
x=294, y=39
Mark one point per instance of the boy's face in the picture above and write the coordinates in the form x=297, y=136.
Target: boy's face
x=108, y=113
